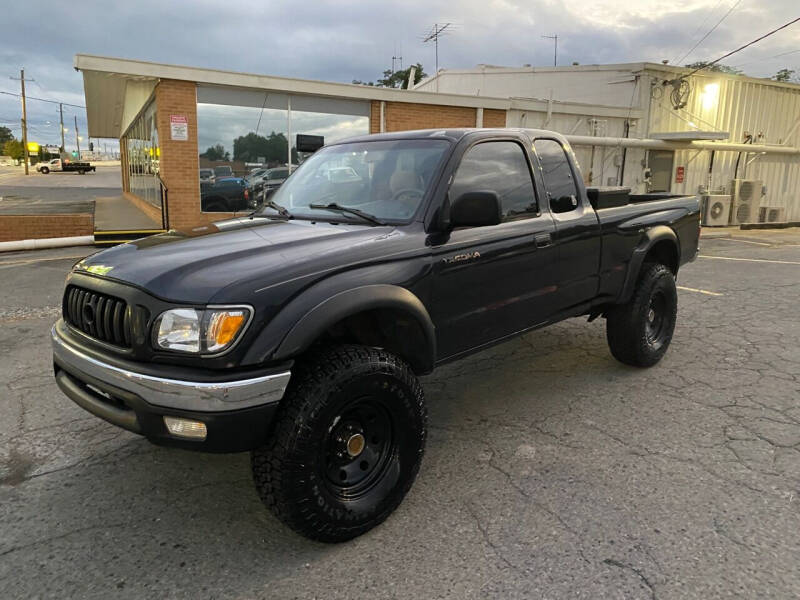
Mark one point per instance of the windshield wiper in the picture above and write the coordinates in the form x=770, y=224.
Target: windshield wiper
x=279, y=208
x=346, y=209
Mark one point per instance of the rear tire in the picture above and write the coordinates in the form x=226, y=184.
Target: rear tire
x=640, y=331
x=45, y=170
x=81, y=171
x=347, y=443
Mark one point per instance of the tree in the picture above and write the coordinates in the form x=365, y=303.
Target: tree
x=5, y=136
x=784, y=75
x=14, y=149
x=272, y=148
x=398, y=79
x=216, y=152
x=716, y=67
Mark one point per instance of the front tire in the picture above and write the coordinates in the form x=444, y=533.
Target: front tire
x=347, y=443
x=640, y=331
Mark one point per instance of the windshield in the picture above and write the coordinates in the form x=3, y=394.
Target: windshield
x=386, y=179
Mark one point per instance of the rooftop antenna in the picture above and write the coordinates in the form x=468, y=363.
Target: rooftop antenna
x=396, y=57
x=555, y=49
x=434, y=35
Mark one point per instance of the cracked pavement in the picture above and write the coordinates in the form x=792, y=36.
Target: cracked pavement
x=551, y=470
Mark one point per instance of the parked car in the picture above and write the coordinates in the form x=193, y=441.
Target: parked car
x=269, y=179
x=223, y=171
x=206, y=175
x=226, y=194
x=58, y=164
x=299, y=333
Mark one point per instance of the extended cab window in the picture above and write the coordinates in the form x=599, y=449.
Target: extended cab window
x=500, y=167
x=557, y=175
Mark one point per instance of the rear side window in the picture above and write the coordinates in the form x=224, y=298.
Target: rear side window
x=501, y=167
x=557, y=175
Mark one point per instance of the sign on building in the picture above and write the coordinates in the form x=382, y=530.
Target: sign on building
x=680, y=173
x=179, y=128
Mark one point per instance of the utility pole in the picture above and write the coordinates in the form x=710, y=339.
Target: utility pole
x=24, y=120
x=77, y=138
x=555, y=50
x=61, y=112
x=434, y=36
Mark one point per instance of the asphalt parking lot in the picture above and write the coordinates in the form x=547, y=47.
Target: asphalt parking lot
x=551, y=470
x=55, y=193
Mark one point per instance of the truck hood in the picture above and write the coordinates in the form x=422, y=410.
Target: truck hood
x=231, y=259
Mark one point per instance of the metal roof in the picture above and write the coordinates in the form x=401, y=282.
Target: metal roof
x=108, y=88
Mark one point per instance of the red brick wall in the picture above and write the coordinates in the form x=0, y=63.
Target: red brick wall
x=27, y=227
x=179, y=164
x=493, y=117
x=402, y=116
x=375, y=117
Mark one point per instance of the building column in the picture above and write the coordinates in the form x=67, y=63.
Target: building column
x=179, y=163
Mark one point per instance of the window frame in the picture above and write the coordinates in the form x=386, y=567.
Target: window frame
x=571, y=167
x=525, y=153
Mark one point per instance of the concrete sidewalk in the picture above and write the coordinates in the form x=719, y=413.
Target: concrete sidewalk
x=117, y=213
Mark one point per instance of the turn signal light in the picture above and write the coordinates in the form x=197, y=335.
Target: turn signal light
x=186, y=428
x=223, y=327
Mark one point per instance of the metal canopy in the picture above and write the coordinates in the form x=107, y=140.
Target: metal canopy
x=588, y=140
x=688, y=136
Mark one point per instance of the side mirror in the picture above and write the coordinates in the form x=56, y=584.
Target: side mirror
x=476, y=209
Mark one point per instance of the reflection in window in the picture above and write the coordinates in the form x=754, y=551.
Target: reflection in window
x=387, y=179
x=143, y=156
x=249, y=142
x=556, y=173
x=500, y=167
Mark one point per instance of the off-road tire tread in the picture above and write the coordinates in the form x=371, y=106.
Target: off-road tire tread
x=273, y=462
x=624, y=323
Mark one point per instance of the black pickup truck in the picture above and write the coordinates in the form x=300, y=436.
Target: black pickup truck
x=299, y=331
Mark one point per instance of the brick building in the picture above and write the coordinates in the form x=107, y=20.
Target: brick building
x=166, y=115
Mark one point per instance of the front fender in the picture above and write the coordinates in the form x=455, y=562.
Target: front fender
x=297, y=326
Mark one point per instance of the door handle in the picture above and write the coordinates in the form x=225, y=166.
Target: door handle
x=543, y=240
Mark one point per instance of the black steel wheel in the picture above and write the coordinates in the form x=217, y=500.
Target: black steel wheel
x=347, y=443
x=640, y=331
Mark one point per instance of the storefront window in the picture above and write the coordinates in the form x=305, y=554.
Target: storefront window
x=143, y=155
x=243, y=140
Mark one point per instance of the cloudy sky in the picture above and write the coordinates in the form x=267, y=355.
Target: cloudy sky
x=348, y=39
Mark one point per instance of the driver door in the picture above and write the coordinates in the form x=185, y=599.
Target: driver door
x=493, y=281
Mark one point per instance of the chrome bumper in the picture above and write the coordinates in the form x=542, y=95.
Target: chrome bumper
x=173, y=393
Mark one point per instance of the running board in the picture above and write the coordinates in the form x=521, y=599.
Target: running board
x=112, y=238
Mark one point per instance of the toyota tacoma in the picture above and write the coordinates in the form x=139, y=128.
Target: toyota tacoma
x=298, y=332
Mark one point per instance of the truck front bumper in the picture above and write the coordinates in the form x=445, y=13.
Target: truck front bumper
x=236, y=413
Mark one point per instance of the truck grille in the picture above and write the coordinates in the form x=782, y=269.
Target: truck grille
x=103, y=317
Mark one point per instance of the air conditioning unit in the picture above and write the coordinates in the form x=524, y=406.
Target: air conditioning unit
x=716, y=210
x=773, y=214
x=746, y=199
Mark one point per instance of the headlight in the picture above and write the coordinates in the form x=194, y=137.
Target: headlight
x=208, y=331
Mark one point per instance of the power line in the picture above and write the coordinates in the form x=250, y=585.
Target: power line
x=42, y=99
x=699, y=27
x=740, y=48
x=710, y=31
x=752, y=62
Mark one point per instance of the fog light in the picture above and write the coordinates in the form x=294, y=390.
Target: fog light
x=185, y=428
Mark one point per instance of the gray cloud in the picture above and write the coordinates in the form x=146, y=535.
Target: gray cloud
x=348, y=39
